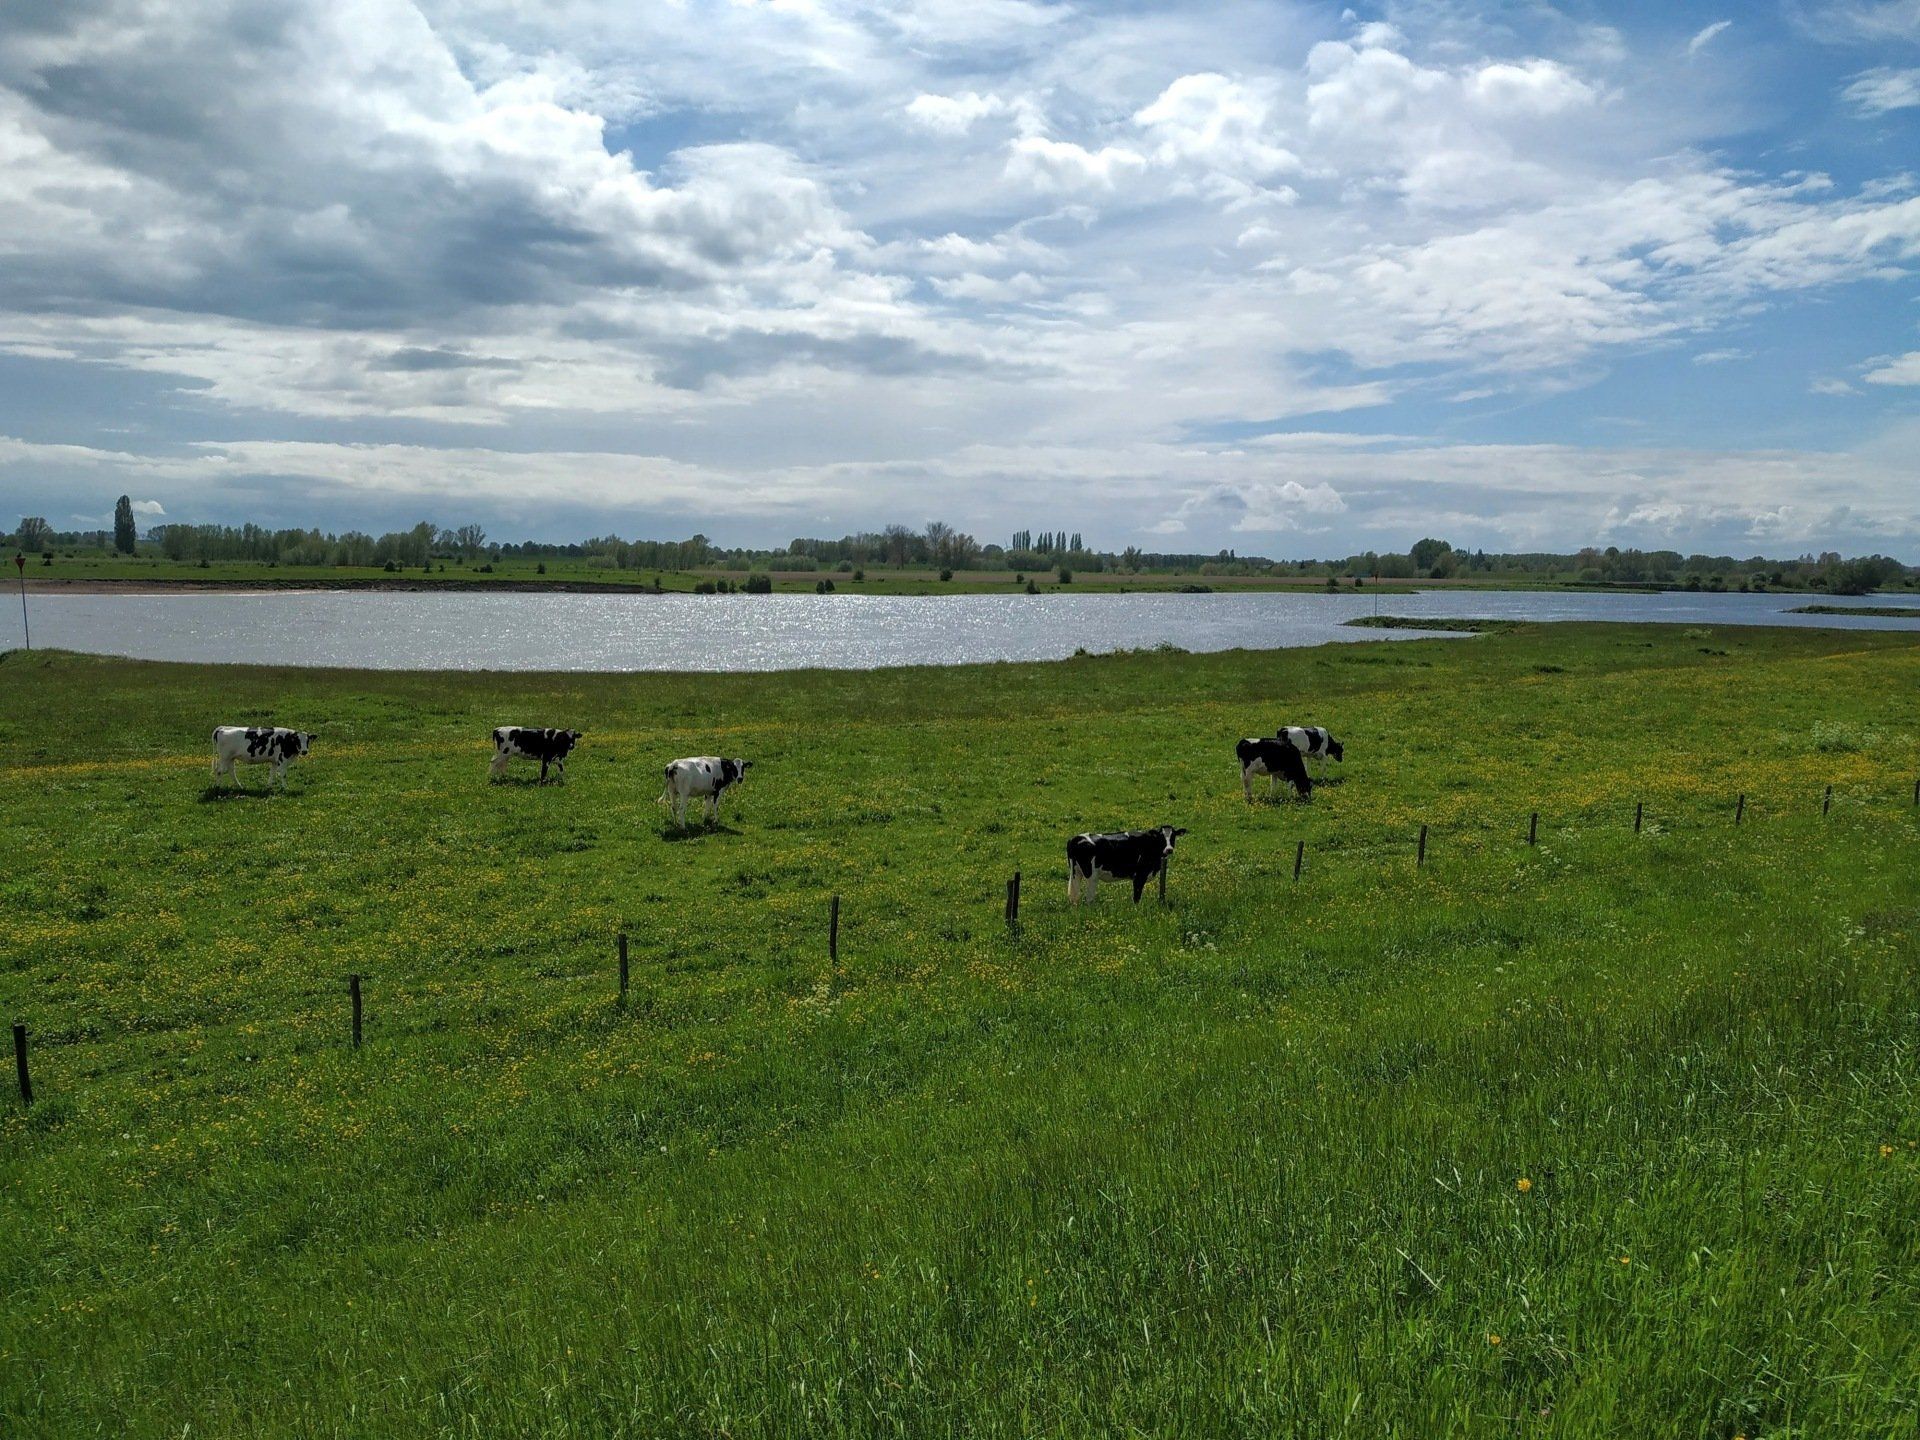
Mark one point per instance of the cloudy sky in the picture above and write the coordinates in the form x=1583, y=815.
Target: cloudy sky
x=1285, y=277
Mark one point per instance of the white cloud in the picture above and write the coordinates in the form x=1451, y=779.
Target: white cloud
x=1721, y=357
x=1705, y=36
x=955, y=114
x=1534, y=87
x=1060, y=165
x=1898, y=370
x=1216, y=123
x=1876, y=92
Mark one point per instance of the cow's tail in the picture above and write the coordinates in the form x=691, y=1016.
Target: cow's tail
x=666, y=791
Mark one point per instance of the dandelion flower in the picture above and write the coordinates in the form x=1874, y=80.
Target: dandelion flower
x=1626, y=1259
x=1493, y=1339
x=1885, y=1150
x=1523, y=1184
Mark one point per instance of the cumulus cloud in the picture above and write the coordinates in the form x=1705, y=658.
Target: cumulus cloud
x=955, y=114
x=1899, y=370
x=1060, y=165
x=828, y=257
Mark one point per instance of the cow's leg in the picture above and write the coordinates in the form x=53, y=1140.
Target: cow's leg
x=1246, y=781
x=713, y=808
x=543, y=772
x=1090, y=886
x=499, y=766
x=1073, y=883
x=1139, y=884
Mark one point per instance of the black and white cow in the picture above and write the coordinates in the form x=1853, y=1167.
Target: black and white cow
x=1313, y=742
x=533, y=742
x=1273, y=759
x=1136, y=855
x=257, y=745
x=700, y=777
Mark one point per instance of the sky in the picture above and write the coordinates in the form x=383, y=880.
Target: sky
x=1293, y=279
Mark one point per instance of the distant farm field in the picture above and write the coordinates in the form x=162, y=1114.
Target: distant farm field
x=1613, y=1135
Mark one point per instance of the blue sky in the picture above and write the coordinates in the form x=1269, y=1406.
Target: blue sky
x=1288, y=278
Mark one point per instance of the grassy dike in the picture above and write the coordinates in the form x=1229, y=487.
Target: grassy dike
x=1612, y=1136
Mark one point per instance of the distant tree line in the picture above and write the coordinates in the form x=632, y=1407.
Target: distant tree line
x=940, y=546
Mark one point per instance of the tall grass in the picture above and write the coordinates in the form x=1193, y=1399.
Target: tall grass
x=1252, y=1163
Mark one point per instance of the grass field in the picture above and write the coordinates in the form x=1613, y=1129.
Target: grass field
x=1611, y=1136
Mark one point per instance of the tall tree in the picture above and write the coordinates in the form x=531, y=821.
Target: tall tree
x=124, y=535
x=34, y=533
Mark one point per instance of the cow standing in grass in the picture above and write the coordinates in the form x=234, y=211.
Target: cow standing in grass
x=1314, y=743
x=533, y=742
x=1135, y=855
x=703, y=777
x=257, y=745
x=1275, y=759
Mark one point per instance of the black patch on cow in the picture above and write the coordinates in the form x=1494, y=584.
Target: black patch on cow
x=1276, y=757
x=1136, y=855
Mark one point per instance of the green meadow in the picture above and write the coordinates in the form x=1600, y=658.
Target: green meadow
x=1610, y=1135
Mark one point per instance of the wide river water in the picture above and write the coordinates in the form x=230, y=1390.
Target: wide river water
x=416, y=630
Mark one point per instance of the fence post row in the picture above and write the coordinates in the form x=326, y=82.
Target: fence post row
x=833, y=930
x=1423, y=847
x=20, y=1063
x=1299, y=857
x=1740, y=810
x=621, y=940
x=353, y=989
x=1533, y=829
x=1013, y=901
x=1826, y=802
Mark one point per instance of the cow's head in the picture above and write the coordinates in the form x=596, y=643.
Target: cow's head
x=1335, y=749
x=734, y=770
x=1170, y=833
x=573, y=737
x=302, y=742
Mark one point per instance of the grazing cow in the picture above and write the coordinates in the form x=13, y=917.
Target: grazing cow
x=703, y=776
x=257, y=745
x=1272, y=758
x=533, y=742
x=1312, y=741
x=1136, y=855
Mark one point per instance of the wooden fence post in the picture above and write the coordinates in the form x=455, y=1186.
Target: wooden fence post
x=1299, y=857
x=833, y=930
x=1423, y=847
x=1165, y=860
x=1533, y=829
x=353, y=989
x=20, y=1063
x=1639, y=809
x=1740, y=810
x=1013, y=902
x=621, y=940
x=1826, y=803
